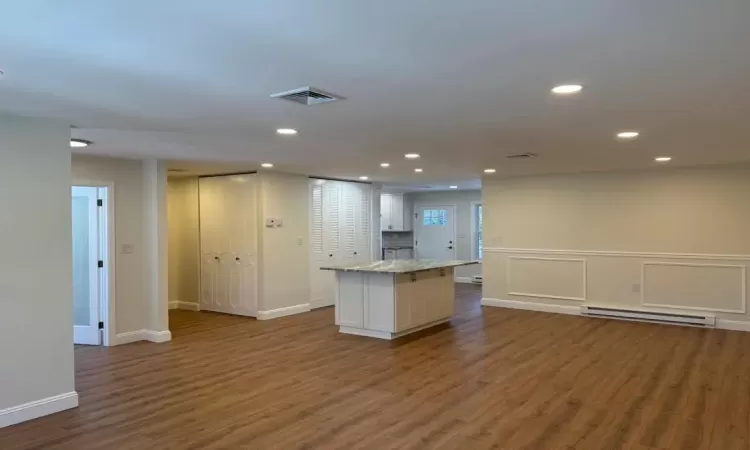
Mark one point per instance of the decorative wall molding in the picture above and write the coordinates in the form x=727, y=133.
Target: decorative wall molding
x=281, y=312
x=142, y=335
x=743, y=281
x=509, y=274
x=694, y=256
x=38, y=408
x=734, y=325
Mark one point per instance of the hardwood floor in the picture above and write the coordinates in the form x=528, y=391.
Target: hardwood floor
x=493, y=378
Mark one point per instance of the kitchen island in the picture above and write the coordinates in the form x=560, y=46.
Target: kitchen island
x=390, y=299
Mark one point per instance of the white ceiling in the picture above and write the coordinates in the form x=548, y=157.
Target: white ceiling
x=462, y=83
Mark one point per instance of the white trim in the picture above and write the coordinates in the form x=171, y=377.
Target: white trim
x=532, y=306
x=142, y=335
x=38, y=408
x=473, y=213
x=558, y=297
x=387, y=334
x=173, y=305
x=462, y=280
x=281, y=312
x=107, y=300
x=742, y=309
x=696, y=256
x=723, y=324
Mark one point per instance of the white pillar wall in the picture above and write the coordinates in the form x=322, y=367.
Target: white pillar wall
x=156, y=249
x=36, y=298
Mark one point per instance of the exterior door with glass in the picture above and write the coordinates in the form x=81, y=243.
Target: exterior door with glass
x=86, y=257
x=435, y=229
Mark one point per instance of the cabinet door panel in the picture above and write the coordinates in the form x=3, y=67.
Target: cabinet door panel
x=397, y=211
x=385, y=212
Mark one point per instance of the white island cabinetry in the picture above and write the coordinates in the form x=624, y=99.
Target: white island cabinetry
x=389, y=299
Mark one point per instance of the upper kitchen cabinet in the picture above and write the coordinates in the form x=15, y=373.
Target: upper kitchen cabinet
x=395, y=213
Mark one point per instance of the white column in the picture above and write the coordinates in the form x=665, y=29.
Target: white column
x=156, y=249
x=36, y=298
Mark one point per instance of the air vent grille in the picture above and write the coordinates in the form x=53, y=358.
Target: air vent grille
x=307, y=96
x=521, y=156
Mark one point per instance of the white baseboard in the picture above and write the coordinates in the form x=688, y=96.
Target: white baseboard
x=189, y=306
x=281, y=312
x=462, y=279
x=734, y=325
x=723, y=324
x=184, y=305
x=38, y=408
x=532, y=306
x=142, y=335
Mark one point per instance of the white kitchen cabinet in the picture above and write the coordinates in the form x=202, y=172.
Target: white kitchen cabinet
x=228, y=240
x=340, y=232
x=395, y=212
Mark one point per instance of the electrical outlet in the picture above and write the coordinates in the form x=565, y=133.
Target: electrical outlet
x=636, y=287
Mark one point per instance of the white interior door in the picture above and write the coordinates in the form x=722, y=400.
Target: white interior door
x=435, y=230
x=86, y=256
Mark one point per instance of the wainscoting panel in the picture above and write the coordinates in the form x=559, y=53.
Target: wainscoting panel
x=698, y=286
x=554, y=278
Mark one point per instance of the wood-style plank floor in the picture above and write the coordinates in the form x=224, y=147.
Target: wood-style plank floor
x=493, y=378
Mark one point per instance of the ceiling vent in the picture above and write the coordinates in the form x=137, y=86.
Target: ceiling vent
x=521, y=156
x=307, y=96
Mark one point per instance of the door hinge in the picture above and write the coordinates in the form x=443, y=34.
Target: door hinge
x=101, y=325
x=100, y=264
x=100, y=202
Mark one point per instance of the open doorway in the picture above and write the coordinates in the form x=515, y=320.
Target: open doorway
x=90, y=256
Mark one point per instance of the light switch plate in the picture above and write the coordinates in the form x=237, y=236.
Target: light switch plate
x=270, y=222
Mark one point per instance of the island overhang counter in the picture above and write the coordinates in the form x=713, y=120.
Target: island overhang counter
x=390, y=299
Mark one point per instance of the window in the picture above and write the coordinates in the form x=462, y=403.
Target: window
x=477, y=230
x=434, y=217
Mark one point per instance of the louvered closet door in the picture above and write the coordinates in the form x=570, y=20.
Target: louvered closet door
x=318, y=255
x=211, y=203
x=363, y=222
x=350, y=251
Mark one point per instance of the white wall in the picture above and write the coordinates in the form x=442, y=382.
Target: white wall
x=284, y=269
x=462, y=200
x=36, y=324
x=184, y=243
x=676, y=238
x=133, y=306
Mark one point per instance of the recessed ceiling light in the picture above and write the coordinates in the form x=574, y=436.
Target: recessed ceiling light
x=453, y=187
x=566, y=89
x=490, y=170
x=266, y=165
x=286, y=131
x=663, y=159
x=79, y=143
x=385, y=165
x=363, y=178
x=418, y=170
x=628, y=134
x=411, y=155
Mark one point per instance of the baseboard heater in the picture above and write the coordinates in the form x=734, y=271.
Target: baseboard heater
x=649, y=316
x=477, y=279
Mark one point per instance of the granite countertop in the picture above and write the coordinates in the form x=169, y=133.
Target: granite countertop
x=398, y=266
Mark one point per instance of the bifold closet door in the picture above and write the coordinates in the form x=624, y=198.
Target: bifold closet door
x=228, y=217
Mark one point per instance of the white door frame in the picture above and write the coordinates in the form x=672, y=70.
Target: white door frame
x=474, y=252
x=415, y=218
x=107, y=279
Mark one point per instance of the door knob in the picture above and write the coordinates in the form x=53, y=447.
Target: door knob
x=450, y=248
x=216, y=258
x=331, y=255
x=355, y=253
x=237, y=258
